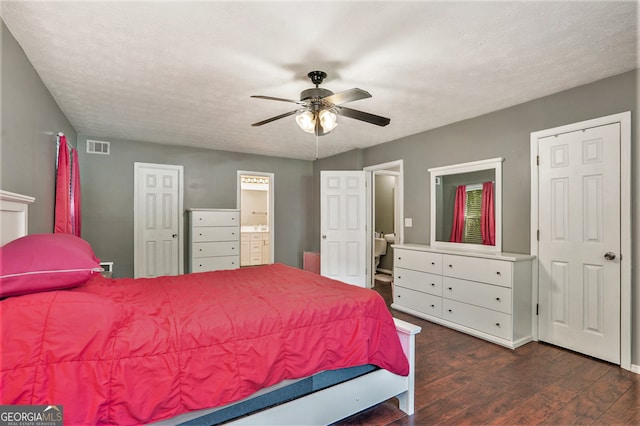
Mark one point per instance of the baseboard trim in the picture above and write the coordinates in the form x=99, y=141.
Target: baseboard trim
x=635, y=368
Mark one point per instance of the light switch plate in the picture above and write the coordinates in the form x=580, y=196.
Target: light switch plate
x=408, y=222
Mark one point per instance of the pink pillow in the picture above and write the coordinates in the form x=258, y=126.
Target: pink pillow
x=42, y=262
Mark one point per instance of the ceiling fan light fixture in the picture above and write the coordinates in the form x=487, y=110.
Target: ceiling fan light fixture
x=328, y=120
x=306, y=121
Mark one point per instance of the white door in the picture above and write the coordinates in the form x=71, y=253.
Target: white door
x=158, y=220
x=579, y=241
x=343, y=243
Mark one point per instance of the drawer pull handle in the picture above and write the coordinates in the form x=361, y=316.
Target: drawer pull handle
x=433, y=306
x=450, y=310
x=399, y=258
x=498, y=273
x=450, y=266
x=398, y=296
x=399, y=277
x=497, y=324
x=433, y=284
x=433, y=263
x=498, y=299
x=450, y=289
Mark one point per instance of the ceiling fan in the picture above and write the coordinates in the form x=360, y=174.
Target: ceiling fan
x=319, y=107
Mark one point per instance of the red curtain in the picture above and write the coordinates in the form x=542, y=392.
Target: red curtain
x=62, y=219
x=457, y=228
x=487, y=215
x=76, y=222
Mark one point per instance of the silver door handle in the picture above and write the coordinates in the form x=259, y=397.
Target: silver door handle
x=609, y=255
x=324, y=237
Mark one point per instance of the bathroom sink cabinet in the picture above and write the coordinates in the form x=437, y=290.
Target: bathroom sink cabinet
x=254, y=248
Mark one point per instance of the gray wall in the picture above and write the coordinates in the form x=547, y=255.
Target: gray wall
x=506, y=133
x=209, y=181
x=31, y=119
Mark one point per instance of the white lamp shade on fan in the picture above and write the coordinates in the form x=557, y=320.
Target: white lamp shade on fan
x=306, y=121
x=328, y=120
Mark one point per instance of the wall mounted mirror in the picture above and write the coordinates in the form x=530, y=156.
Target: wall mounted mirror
x=466, y=206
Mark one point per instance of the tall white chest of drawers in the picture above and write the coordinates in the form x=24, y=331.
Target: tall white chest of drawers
x=214, y=239
x=485, y=295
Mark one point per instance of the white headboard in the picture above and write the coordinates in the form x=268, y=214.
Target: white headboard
x=14, y=218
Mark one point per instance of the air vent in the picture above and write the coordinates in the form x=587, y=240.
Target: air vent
x=98, y=147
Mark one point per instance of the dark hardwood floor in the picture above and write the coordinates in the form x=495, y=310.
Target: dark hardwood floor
x=464, y=380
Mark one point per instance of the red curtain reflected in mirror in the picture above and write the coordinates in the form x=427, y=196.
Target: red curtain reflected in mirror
x=487, y=215
x=457, y=229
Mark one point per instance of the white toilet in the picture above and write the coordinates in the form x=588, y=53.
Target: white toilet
x=379, y=249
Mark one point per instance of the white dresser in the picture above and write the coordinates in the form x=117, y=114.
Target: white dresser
x=482, y=294
x=214, y=239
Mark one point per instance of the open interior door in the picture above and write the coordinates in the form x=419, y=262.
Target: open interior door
x=343, y=244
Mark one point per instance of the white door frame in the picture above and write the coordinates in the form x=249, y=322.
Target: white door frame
x=392, y=168
x=136, y=220
x=271, y=213
x=625, y=222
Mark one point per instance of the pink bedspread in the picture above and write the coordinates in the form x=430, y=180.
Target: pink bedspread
x=130, y=351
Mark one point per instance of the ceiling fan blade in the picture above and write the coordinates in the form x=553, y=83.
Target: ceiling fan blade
x=363, y=116
x=347, y=96
x=271, y=98
x=277, y=117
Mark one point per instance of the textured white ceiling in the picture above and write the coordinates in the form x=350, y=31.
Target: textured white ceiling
x=181, y=72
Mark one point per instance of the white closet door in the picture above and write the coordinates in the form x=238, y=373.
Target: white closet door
x=579, y=248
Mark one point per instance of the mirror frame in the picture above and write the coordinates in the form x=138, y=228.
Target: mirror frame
x=474, y=166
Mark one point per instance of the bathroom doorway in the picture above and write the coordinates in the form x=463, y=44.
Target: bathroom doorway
x=255, y=202
x=385, y=219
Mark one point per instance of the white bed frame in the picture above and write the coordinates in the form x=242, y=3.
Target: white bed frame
x=14, y=216
x=319, y=408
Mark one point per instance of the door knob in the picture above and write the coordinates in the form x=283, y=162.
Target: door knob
x=324, y=237
x=609, y=255
x=176, y=235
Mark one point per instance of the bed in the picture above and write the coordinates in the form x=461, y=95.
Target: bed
x=270, y=345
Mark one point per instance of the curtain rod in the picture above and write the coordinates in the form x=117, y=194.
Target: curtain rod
x=58, y=136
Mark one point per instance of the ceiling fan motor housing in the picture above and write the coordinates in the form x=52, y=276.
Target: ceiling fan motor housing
x=315, y=92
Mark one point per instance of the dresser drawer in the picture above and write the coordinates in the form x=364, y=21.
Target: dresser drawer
x=490, y=271
x=419, y=281
x=221, y=248
x=204, y=264
x=215, y=233
x=418, y=260
x=418, y=301
x=256, y=236
x=484, y=295
x=218, y=218
x=491, y=322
